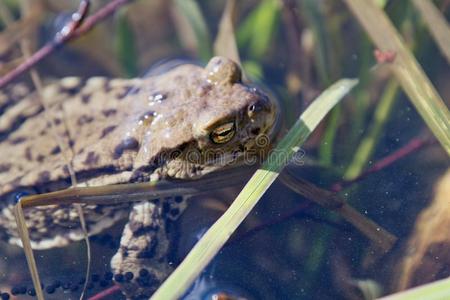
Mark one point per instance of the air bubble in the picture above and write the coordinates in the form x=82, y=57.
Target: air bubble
x=157, y=97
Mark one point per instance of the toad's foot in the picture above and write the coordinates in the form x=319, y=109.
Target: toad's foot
x=140, y=264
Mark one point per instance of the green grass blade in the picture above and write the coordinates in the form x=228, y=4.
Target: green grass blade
x=405, y=68
x=22, y=230
x=214, y=239
x=367, y=146
x=225, y=43
x=327, y=141
x=437, y=25
x=322, y=50
x=190, y=10
x=380, y=3
x=125, y=45
x=257, y=30
x=326, y=58
x=438, y=290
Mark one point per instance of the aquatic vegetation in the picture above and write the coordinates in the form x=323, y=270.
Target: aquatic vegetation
x=371, y=164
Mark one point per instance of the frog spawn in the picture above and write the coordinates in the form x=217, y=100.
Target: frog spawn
x=70, y=285
x=96, y=283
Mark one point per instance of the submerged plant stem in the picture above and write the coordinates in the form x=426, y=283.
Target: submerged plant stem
x=383, y=239
x=412, y=146
x=368, y=144
x=51, y=47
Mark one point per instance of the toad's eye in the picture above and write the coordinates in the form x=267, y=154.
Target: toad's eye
x=223, y=133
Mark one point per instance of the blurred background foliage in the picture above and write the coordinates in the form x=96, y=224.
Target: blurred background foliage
x=295, y=49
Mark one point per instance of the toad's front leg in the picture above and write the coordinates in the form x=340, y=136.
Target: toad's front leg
x=141, y=264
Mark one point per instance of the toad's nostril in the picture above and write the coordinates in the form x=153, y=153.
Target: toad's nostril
x=255, y=131
x=254, y=108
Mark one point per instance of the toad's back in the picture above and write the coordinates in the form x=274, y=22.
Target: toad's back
x=99, y=119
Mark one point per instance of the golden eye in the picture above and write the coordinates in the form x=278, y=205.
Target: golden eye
x=223, y=133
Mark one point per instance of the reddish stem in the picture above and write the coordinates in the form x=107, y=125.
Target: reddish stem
x=105, y=293
x=412, y=146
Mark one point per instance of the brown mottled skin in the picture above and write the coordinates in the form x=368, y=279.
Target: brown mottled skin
x=119, y=131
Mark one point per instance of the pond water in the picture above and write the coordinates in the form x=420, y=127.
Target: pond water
x=374, y=152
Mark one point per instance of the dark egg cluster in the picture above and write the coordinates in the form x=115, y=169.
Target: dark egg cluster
x=96, y=283
x=96, y=280
x=144, y=279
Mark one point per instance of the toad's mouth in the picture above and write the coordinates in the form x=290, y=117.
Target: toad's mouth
x=251, y=151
